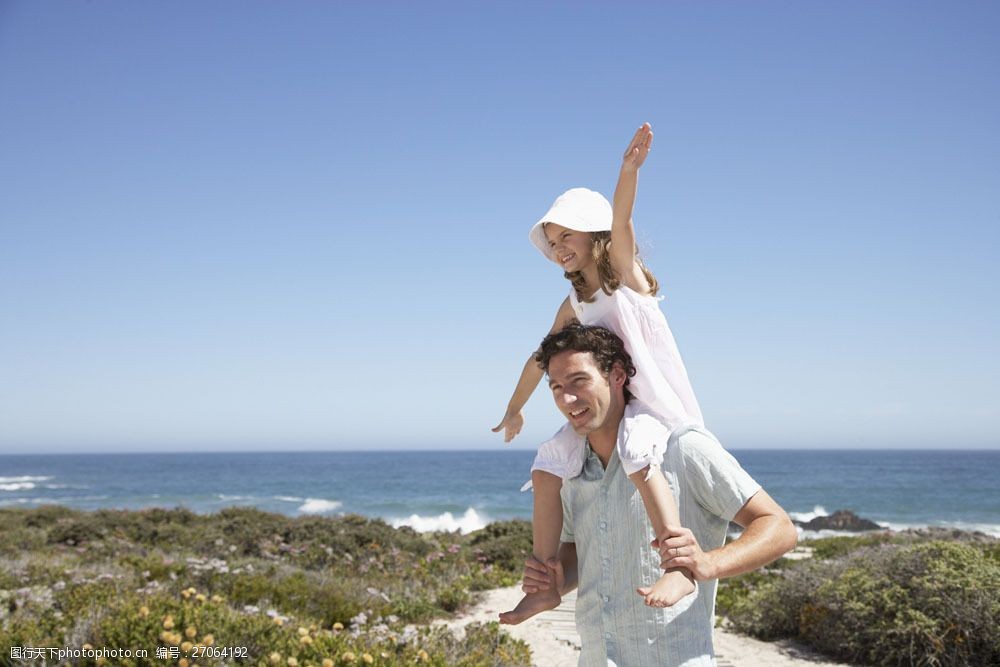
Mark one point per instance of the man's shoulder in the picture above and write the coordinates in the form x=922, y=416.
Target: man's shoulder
x=696, y=451
x=705, y=446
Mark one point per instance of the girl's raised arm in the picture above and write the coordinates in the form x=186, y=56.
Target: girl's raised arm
x=513, y=420
x=622, y=250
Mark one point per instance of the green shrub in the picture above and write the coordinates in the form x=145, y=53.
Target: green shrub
x=826, y=548
x=504, y=544
x=934, y=603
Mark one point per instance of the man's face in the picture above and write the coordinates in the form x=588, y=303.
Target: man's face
x=586, y=397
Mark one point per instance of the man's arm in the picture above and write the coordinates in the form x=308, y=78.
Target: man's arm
x=767, y=534
x=561, y=570
x=570, y=573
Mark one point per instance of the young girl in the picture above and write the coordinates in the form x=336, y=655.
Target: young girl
x=595, y=245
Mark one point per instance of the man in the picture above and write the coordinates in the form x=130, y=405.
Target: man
x=606, y=537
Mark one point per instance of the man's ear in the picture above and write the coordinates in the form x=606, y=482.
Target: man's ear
x=617, y=377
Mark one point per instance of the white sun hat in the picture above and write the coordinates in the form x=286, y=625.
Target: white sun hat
x=579, y=209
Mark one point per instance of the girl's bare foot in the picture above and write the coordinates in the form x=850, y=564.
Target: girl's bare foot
x=530, y=605
x=668, y=589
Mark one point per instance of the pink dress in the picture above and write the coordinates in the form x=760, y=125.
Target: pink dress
x=660, y=384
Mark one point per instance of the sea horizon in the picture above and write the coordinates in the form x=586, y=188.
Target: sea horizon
x=487, y=448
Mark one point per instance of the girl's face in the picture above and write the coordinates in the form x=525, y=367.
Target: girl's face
x=572, y=250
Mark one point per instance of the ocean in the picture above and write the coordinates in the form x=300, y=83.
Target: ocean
x=465, y=490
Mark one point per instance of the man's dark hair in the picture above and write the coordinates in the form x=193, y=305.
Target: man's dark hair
x=606, y=347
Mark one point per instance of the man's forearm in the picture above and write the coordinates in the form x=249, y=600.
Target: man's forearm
x=764, y=540
x=567, y=555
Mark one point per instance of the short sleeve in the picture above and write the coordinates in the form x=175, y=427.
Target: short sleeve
x=567, y=524
x=716, y=480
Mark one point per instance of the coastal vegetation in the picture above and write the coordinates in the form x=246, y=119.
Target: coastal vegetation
x=924, y=598
x=348, y=590
x=242, y=586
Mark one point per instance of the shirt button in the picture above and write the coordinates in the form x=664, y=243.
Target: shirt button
x=603, y=525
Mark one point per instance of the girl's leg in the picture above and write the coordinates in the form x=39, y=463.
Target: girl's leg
x=546, y=527
x=662, y=510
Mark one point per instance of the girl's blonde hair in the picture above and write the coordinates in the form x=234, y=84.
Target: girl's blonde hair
x=610, y=281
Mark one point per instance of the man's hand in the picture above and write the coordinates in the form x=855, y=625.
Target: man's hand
x=679, y=548
x=511, y=425
x=539, y=576
x=638, y=148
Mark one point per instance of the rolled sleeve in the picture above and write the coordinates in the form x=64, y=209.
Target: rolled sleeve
x=715, y=478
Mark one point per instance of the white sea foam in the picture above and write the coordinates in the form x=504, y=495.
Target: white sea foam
x=22, y=482
x=319, y=506
x=289, y=499
x=468, y=522
x=806, y=517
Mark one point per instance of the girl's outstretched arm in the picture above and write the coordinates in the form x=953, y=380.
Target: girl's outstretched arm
x=513, y=420
x=622, y=251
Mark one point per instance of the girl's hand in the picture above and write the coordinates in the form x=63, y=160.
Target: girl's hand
x=511, y=425
x=638, y=148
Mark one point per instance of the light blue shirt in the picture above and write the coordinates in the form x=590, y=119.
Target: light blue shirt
x=604, y=515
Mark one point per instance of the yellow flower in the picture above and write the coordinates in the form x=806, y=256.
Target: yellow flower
x=208, y=640
x=191, y=632
x=305, y=639
x=185, y=594
x=422, y=654
x=327, y=662
x=303, y=631
x=367, y=658
x=168, y=623
x=292, y=662
x=278, y=621
x=348, y=657
x=338, y=626
x=144, y=611
x=186, y=646
x=274, y=658
x=183, y=662
x=216, y=598
x=200, y=597
x=175, y=639
x=101, y=660
x=87, y=647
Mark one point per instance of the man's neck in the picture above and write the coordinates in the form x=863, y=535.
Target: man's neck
x=604, y=439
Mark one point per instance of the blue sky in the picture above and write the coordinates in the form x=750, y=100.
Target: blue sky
x=282, y=226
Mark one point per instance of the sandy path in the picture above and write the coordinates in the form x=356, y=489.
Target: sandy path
x=554, y=641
